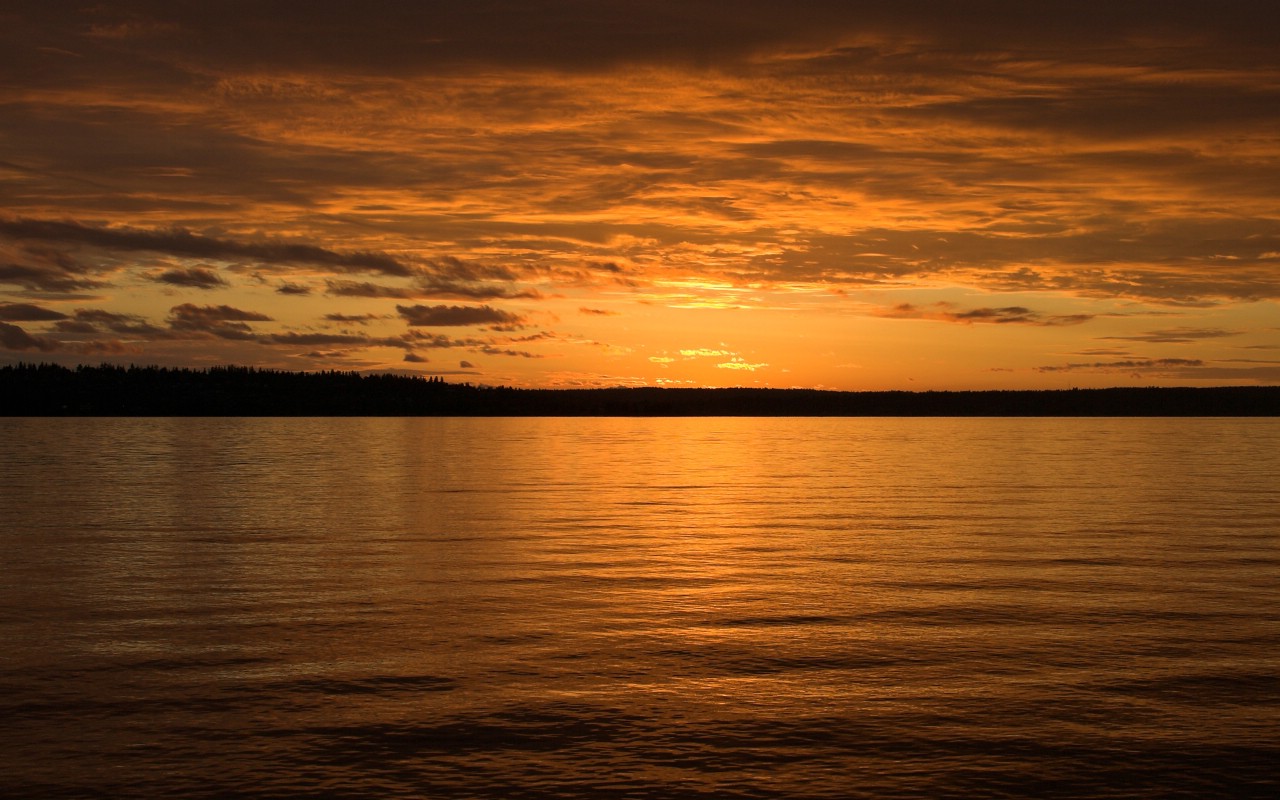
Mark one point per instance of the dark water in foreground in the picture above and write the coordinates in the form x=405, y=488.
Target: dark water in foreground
x=728, y=608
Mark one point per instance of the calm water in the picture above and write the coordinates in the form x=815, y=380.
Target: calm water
x=622, y=608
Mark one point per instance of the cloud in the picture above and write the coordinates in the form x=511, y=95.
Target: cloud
x=448, y=276
x=444, y=316
x=388, y=38
x=1094, y=157
x=946, y=312
x=13, y=337
x=124, y=324
x=463, y=291
x=1176, y=335
x=427, y=287
x=358, y=319
x=450, y=268
x=493, y=350
x=1181, y=368
x=195, y=313
x=1129, y=365
x=184, y=243
x=76, y=327
x=703, y=352
x=740, y=364
x=222, y=321
x=49, y=271
x=346, y=288
x=116, y=321
x=439, y=340
x=350, y=340
x=466, y=365
x=361, y=288
x=191, y=277
x=415, y=358
x=25, y=312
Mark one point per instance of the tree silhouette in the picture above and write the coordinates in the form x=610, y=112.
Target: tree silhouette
x=108, y=390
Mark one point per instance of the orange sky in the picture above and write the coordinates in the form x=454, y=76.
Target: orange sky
x=901, y=195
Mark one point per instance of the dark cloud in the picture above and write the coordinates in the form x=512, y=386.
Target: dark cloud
x=1176, y=335
x=1115, y=110
x=358, y=319
x=76, y=327
x=1179, y=260
x=415, y=358
x=410, y=38
x=224, y=322
x=946, y=312
x=13, y=337
x=466, y=365
x=193, y=278
x=1188, y=285
x=1129, y=365
x=540, y=336
x=184, y=243
x=439, y=340
x=449, y=316
x=190, y=311
x=47, y=270
x=345, y=288
x=461, y=291
x=25, y=312
x=353, y=340
x=427, y=287
x=599, y=312
x=124, y=324
x=1182, y=368
x=493, y=350
x=293, y=289
x=449, y=269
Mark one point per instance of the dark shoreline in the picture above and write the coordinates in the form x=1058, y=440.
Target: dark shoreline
x=51, y=390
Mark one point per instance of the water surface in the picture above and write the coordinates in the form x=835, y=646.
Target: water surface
x=639, y=608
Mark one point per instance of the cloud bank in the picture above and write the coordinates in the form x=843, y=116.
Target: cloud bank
x=815, y=184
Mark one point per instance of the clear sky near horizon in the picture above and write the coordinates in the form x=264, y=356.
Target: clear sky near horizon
x=851, y=195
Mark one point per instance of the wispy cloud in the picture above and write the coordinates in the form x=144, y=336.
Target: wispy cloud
x=13, y=337
x=1128, y=365
x=1176, y=335
x=1007, y=315
x=448, y=316
x=181, y=242
x=26, y=312
x=222, y=321
x=192, y=278
x=740, y=364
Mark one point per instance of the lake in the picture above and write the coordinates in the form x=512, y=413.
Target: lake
x=640, y=608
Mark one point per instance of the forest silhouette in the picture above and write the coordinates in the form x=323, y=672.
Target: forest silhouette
x=109, y=390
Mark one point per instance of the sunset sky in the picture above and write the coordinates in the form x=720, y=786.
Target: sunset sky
x=849, y=195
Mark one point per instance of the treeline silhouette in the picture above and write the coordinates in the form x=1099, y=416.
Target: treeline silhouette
x=108, y=390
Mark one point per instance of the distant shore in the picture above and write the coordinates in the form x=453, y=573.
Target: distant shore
x=52, y=390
